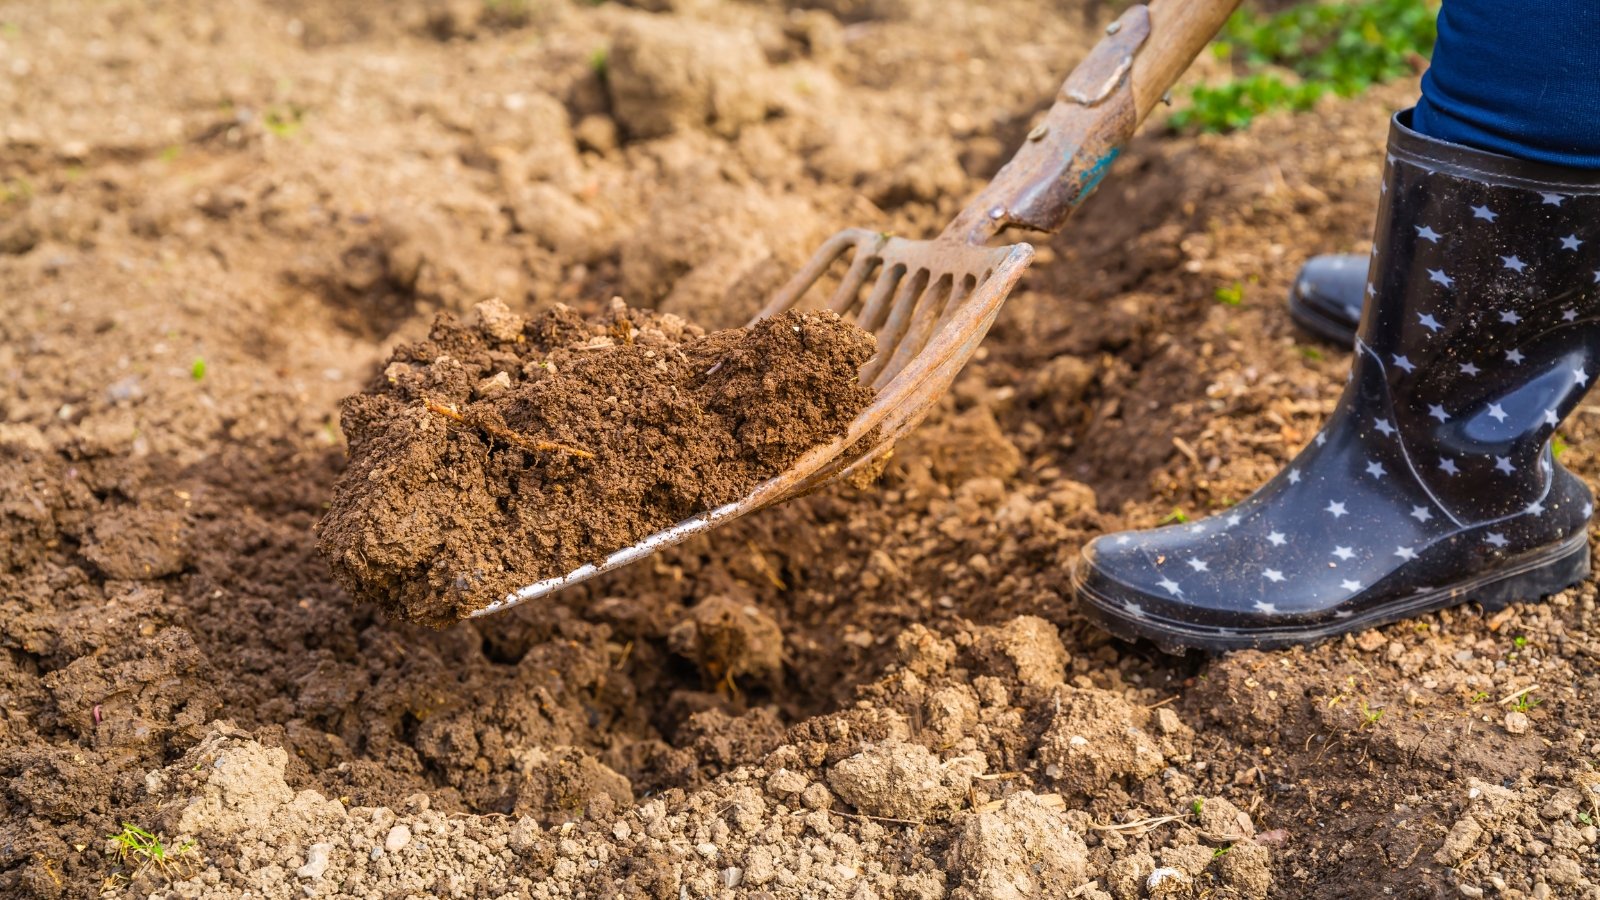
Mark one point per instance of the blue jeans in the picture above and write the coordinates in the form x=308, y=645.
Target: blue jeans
x=1517, y=77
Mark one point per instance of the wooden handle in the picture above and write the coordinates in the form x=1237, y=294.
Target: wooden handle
x=1096, y=112
x=1179, y=30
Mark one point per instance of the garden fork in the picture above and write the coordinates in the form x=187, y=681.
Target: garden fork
x=931, y=302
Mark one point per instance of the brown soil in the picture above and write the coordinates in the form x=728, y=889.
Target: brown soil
x=864, y=693
x=495, y=455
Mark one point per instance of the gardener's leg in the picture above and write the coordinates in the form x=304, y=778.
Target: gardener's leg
x=1521, y=80
x=1433, y=482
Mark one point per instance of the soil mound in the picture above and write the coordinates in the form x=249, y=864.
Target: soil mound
x=499, y=453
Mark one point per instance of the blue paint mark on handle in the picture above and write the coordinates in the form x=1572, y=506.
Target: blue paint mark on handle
x=1097, y=173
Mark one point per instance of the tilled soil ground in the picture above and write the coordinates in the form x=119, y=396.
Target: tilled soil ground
x=219, y=219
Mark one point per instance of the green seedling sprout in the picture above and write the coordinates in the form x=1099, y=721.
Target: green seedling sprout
x=141, y=850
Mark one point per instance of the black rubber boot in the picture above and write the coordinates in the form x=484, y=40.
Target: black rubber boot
x=1433, y=482
x=1329, y=294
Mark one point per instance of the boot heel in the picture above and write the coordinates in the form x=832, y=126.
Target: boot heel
x=1565, y=570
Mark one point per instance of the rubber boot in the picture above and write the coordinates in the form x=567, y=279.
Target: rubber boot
x=1433, y=482
x=1329, y=294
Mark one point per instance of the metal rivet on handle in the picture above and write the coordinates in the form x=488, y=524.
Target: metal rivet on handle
x=1113, y=28
x=999, y=212
x=1038, y=131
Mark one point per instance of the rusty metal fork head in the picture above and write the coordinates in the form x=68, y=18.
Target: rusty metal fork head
x=930, y=302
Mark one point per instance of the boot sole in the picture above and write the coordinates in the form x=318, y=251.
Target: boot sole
x=1319, y=323
x=1534, y=575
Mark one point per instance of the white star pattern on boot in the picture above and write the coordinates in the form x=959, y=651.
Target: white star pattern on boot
x=1439, y=277
x=1497, y=412
x=1404, y=363
x=1171, y=587
x=1438, y=412
x=1510, y=317
x=1199, y=565
x=1503, y=463
x=1420, y=513
x=1383, y=427
x=1513, y=263
x=1277, y=539
x=1336, y=508
x=1483, y=212
x=1571, y=242
x=1449, y=466
x=1497, y=539
x=1469, y=369
x=1514, y=357
x=1405, y=553
x=1427, y=234
x=1376, y=470
x=1343, y=552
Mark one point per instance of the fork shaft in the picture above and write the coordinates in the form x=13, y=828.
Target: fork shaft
x=1095, y=113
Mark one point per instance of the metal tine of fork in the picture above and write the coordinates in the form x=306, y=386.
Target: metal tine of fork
x=849, y=288
x=905, y=301
x=889, y=277
x=938, y=304
x=820, y=262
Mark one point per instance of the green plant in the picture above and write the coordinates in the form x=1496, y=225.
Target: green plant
x=1525, y=703
x=1176, y=516
x=1221, y=852
x=1585, y=818
x=1292, y=59
x=1369, y=716
x=283, y=121
x=140, y=849
x=1198, y=805
x=1558, y=446
x=1479, y=697
x=198, y=370
x=599, y=60
x=1230, y=294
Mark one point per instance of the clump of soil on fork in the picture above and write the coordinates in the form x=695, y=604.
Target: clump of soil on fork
x=496, y=454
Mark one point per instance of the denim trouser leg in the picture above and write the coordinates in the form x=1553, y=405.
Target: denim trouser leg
x=1517, y=77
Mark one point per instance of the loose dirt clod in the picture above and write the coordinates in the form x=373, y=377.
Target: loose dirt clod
x=497, y=454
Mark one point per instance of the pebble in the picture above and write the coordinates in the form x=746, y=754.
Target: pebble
x=316, y=861
x=1516, y=722
x=398, y=837
x=785, y=782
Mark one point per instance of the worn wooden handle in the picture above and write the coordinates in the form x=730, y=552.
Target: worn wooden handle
x=1179, y=30
x=1095, y=113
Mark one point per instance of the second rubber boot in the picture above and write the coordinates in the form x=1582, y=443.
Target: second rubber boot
x=1329, y=294
x=1433, y=482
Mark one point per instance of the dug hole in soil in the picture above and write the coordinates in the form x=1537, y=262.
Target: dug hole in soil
x=217, y=222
